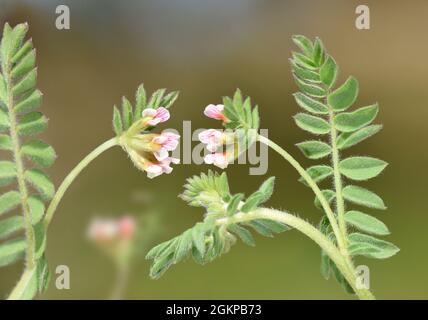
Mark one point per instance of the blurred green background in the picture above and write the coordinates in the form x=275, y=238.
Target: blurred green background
x=206, y=49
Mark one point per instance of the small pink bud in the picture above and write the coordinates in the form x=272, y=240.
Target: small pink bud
x=215, y=112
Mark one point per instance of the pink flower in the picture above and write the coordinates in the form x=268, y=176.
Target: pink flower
x=218, y=159
x=212, y=138
x=155, y=169
x=155, y=116
x=108, y=231
x=215, y=112
x=167, y=141
x=126, y=227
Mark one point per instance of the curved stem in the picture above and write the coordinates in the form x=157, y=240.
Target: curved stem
x=310, y=231
x=73, y=174
x=312, y=184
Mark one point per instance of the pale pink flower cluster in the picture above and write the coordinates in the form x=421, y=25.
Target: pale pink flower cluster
x=150, y=152
x=214, y=139
x=111, y=230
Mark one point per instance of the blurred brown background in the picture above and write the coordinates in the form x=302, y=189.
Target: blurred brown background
x=206, y=49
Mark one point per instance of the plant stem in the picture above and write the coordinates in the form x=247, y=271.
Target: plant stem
x=310, y=231
x=121, y=281
x=73, y=174
x=312, y=184
x=340, y=204
x=16, y=149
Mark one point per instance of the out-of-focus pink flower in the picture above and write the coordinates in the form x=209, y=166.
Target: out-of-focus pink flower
x=219, y=159
x=110, y=230
x=127, y=226
x=167, y=141
x=212, y=138
x=153, y=117
x=215, y=111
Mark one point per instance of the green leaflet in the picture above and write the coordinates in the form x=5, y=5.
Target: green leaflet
x=117, y=122
x=352, y=121
x=310, y=89
x=266, y=189
x=365, y=245
x=140, y=101
x=304, y=61
x=344, y=96
x=25, y=65
x=240, y=114
x=328, y=72
x=37, y=208
x=5, y=142
x=39, y=152
x=198, y=237
x=304, y=44
x=127, y=116
x=232, y=208
x=9, y=201
x=29, y=103
x=346, y=140
x=243, y=234
x=310, y=104
x=318, y=53
x=32, y=123
x=252, y=202
x=7, y=172
x=10, y=225
x=367, y=223
x=26, y=84
x=318, y=173
x=11, y=251
x=304, y=74
x=314, y=149
x=41, y=182
x=364, y=197
x=4, y=120
x=361, y=168
x=312, y=124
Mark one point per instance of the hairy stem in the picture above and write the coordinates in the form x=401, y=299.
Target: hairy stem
x=310, y=231
x=312, y=184
x=73, y=174
x=340, y=204
x=16, y=149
